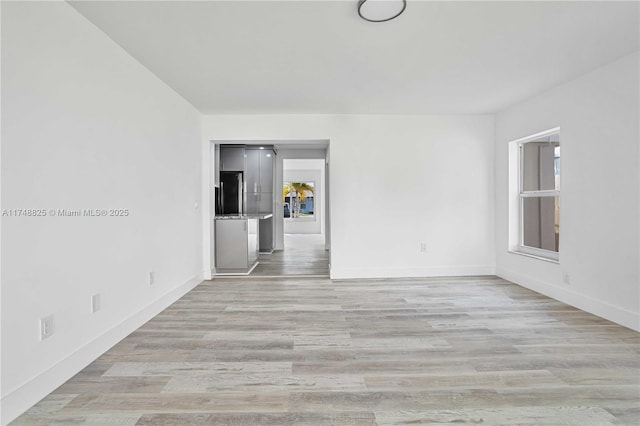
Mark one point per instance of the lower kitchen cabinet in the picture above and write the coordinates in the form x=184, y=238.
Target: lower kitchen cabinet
x=236, y=245
x=266, y=235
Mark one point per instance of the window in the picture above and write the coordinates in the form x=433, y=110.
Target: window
x=298, y=198
x=538, y=195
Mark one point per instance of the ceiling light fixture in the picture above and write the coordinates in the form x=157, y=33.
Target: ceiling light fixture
x=381, y=10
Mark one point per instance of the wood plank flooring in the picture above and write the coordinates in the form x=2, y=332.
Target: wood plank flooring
x=311, y=351
x=304, y=254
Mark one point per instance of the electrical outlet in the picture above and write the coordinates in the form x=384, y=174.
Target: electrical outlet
x=152, y=278
x=46, y=327
x=95, y=303
x=566, y=279
x=423, y=247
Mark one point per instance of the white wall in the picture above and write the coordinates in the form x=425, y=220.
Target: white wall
x=425, y=178
x=306, y=171
x=598, y=115
x=86, y=126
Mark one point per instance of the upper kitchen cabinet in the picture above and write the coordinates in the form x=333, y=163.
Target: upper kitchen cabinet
x=252, y=170
x=232, y=158
x=266, y=170
x=258, y=173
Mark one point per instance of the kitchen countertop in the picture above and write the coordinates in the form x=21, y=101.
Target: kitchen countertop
x=243, y=216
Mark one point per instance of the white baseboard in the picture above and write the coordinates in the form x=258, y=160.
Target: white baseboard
x=208, y=274
x=25, y=396
x=417, y=272
x=602, y=309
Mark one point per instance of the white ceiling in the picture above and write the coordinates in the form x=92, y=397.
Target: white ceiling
x=320, y=57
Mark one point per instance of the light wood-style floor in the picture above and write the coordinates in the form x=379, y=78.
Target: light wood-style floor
x=473, y=350
x=303, y=254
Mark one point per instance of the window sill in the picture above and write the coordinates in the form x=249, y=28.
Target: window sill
x=300, y=219
x=546, y=259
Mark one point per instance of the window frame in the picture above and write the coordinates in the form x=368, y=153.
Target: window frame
x=522, y=194
x=310, y=218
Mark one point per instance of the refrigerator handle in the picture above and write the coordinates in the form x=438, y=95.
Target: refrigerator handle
x=242, y=194
x=221, y=195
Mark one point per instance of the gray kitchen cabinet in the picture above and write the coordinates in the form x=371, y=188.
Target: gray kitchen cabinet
x=259, y=202
x=251, y=202
x=258, y=180
x=258, y=175
x=232, y=158
x=259, y=191
x=252, y=242
x=265, y=183
x=265, y=202
x=266, y=235
x=252, y=170
x=236, y=245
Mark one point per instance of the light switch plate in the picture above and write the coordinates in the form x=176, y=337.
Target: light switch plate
x=46, y=327
x=95, y=303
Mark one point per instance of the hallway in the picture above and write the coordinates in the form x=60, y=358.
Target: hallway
x=303, y=254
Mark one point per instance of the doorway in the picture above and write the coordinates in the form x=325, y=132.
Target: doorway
x=304, y=251
x=294, y=255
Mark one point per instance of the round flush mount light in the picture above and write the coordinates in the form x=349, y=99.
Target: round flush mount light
x=381, y=10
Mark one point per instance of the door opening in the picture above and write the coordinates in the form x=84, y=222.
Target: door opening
x=303, y=248
x=303, y=211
